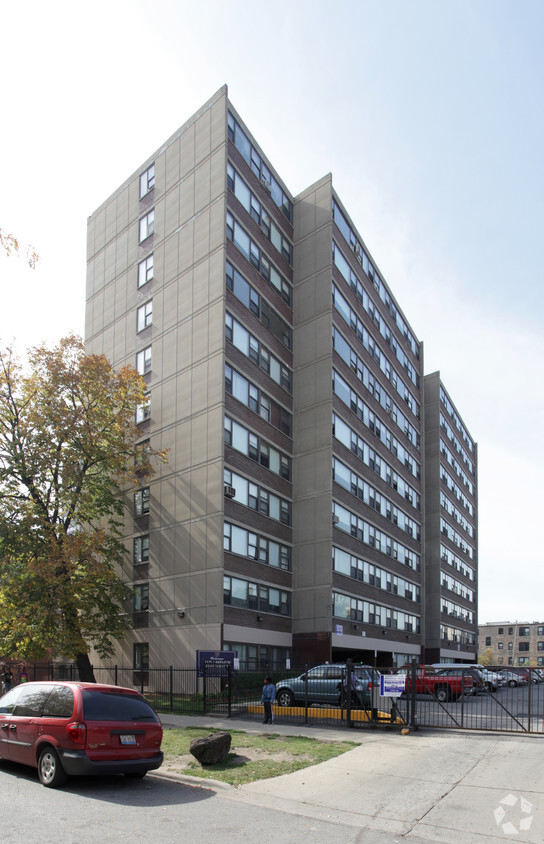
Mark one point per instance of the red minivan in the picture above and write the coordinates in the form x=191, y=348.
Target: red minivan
x=65, y=729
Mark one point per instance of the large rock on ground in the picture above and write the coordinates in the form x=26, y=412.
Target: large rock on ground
x=212, y=749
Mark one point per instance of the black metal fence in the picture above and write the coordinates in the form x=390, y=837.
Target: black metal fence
x=438, y=698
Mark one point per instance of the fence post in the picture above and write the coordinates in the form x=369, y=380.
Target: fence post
x=171, y=688
x=413, y=684
x=229, y=690
x=306, y=693
x=349, y=666
x=529, y=696
x=115, y=676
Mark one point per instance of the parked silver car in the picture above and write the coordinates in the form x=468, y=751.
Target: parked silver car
x=327, y=684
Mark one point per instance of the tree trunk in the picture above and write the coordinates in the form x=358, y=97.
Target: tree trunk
x=85, y=669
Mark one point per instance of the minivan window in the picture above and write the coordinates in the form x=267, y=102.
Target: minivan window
x=113, y=706
x=9, y=700
x=31, y=701
x=60, y=703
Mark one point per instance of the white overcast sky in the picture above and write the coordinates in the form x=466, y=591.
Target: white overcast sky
x=429, y=116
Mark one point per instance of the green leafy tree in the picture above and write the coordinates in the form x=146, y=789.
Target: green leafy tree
x=68, y=444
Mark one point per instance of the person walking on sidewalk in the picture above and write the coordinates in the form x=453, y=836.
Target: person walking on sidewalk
x=267, y=699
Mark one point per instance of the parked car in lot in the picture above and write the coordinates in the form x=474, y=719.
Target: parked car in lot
x=64, y=729
x=493, y=680
x=512, y=678
x=327, y=684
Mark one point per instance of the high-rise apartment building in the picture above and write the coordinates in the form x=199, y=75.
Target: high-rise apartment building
x=320, y=495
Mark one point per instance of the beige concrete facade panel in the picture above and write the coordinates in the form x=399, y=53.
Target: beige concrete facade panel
x=111, y=221
x=121, y=305
x=203, y=184
x=187, y=151
x=121, y=254
x=218, y=122
x=218, y=170
x=166, y=261
x=170, y=161
x=203, y=136
x=199, y=439
x=122, y=210
x=168, y=404
x=312, y=609
x=166, y=492
x=201, y=241
x=187, y=198
x=217, y=224
x=169, y=360
x=201, y=275
x=199, y=497
x=217, y=272
x=214, y=484
x=109, y=263
x=168, y=307
x=197, y=559
x=185, y=247
x=199, y=348
x=133, y=188
x=171, y=212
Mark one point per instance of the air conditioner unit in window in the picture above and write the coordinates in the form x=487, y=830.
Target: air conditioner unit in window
x=266, y=185
x=230, y=491
x=335, y=519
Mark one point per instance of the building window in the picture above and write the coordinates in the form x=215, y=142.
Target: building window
x=524, y=631
x=500, y=646
x=500, y=631
x=488, y=641
x=141, y=549
x=540, y=646
x=510, y=631
x=140, y=599
x=143, y=411
x=145, y=270
x=255, y=596
x=510, y=646
x=524, y=646
x=524, y=660
x=147, y=225
x=145, y=316
x=147, y=181
x=140, y=655
x=540, y=660
x=141, y=502
x=143, y=361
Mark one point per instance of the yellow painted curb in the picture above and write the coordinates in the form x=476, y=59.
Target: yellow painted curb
x=317, y=714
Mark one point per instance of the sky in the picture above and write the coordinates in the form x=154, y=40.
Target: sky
x=430, y=117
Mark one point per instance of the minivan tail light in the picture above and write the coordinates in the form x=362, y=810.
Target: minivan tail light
x=77, y=732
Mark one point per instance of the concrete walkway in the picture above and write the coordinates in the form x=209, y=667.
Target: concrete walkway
x=460, y=787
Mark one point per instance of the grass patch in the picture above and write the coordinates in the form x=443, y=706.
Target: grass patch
x=252, y=757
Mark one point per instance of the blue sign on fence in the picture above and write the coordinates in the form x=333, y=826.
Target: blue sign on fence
x=216, y=663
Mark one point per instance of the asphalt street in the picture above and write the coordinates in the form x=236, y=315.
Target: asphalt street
x=443, y=786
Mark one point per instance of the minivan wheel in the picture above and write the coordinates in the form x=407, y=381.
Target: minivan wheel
x=50, y=770
x=285, y=698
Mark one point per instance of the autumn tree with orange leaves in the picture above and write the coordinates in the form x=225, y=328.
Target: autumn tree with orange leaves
x=68, y=444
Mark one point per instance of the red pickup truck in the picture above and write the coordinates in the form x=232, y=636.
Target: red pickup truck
x=438, y=682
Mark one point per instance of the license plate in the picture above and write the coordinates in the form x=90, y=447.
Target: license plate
x=128, y=739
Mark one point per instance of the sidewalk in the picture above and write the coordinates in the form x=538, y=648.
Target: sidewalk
x=460, y=787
